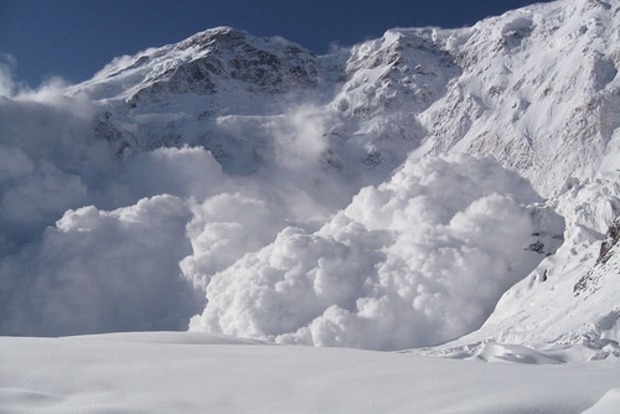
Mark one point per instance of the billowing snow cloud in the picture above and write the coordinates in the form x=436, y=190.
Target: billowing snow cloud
x=99, y=271
x=95, y=241
x=7, y=85
x=416, y=261
x=73, y=257
x=45, y=157
x=223, y=229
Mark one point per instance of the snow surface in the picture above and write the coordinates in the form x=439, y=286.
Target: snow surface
x=176, y=372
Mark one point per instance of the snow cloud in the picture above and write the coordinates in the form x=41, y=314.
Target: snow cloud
x=299, y=139
x=99, y=271
x=7, y=65
x=223, y=229
x=96, y=241
x=416, y=261
x=90, y=242
x=43, y=148
x=93, y=241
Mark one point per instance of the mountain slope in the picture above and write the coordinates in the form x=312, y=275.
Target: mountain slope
x=568, y=307
x=533, y=87
x=539, y=91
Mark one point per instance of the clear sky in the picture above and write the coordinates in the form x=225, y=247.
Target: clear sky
x=75, y=38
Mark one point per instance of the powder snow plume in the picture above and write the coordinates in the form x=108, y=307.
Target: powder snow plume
x=413, y=262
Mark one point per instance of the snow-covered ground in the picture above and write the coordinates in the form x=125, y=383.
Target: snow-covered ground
x=202, y=373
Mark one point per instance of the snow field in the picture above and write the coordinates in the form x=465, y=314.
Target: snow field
x=193, y=373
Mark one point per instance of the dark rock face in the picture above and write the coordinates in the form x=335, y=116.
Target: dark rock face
x=262, y=65
x=537, y=247
x=195, y=77
x=611, y=239
x=591, y=281
x=213, y=66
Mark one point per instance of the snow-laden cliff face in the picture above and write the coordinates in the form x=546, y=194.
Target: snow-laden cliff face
x=202, y=64
x=536, y=88
x=567, y=308
x=222, y=84
x=323, y=199
x=539, y=91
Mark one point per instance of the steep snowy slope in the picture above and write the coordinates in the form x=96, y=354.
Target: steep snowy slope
x=346, y=199
x=232, y=93
x=536, y=88
x=539, y=91
x=569, y=307
x=208, y=90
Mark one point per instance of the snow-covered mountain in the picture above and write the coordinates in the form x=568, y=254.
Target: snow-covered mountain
x=383, y=196
x=531, y=87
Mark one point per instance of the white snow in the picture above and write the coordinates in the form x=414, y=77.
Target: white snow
x=196, y=373
x=607, y=405
x=414, y=262
x=568, y=307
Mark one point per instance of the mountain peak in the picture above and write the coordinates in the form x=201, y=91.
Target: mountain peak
x=223, y=36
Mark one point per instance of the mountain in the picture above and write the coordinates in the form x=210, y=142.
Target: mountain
x=428, y=186
x=540, y=77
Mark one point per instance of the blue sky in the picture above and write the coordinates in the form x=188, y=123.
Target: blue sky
x=75, y=38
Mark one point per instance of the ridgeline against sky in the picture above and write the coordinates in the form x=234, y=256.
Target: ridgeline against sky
x=74, y=39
